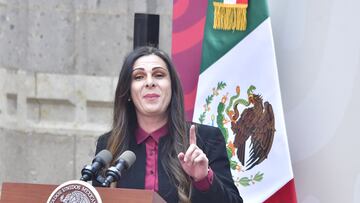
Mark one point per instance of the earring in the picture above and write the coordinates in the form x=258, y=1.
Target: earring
x=129, y=100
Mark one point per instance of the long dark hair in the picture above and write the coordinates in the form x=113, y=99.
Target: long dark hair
x=125, y=121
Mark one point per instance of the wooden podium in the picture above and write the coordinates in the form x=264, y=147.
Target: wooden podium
x=39, y=193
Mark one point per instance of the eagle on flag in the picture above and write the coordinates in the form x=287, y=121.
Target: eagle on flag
x=257, y=123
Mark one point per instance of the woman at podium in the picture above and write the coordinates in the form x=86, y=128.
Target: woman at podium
x=183, y=162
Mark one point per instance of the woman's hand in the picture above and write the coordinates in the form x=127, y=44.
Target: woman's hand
x=194, y=161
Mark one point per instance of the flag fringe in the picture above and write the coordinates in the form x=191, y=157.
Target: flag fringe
x=229, y=16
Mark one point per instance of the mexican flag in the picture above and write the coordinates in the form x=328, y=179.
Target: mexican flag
x=224, y=53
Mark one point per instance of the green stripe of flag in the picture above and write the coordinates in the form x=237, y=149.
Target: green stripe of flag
x=217, y=42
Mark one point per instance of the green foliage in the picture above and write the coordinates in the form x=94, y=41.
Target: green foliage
x=233, y=164
x=209, y=99
x=247, y=181
x=202, y=117
x=219, y=121
x=258, y=177
x=229, y=152
x=221, y=85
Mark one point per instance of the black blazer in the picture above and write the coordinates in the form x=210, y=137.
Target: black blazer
x=211, y=141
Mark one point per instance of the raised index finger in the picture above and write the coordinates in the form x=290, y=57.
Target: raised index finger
x=192, y=138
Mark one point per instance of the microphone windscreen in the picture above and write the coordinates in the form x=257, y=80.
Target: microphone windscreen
x=105, y=156
x=129, y=157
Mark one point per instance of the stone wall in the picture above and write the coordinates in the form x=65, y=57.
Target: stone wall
x=59, y=62
x=56, y=102
x=74, y=37
x=49, y=123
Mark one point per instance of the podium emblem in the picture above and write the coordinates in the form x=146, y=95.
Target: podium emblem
x=74, y=191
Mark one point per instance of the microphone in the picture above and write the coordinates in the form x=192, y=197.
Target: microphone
x=101, y=159
x=124, y=162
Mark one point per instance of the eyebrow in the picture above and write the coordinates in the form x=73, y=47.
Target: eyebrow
x=155, y=68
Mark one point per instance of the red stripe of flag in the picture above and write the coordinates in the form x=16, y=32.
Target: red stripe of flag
x=242, y=1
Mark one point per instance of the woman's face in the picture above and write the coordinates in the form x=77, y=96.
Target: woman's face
x=150, y=86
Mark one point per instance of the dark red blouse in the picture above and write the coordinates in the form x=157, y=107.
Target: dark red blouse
x=151, y=171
